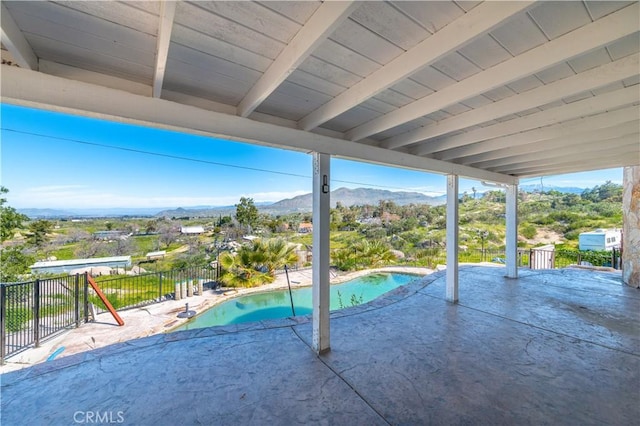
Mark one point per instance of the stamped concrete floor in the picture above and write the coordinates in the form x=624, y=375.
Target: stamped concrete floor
x=552, y=347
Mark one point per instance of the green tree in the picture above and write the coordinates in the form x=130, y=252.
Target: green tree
x=376, y=252
x=363, y=254
x=240, y=270
x=38, y=231
x=528, y=231
x=279, y=253
x=465, y=197
x=14, y=263
x=195, y=256
x=256, y=263
x=607, y=191
x=151, y=226
x=10, y=219
x=247, y=213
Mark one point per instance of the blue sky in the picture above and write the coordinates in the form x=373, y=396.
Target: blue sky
x=53, y=160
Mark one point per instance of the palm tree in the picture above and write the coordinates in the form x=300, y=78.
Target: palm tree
x=240, y=269
x=363, y=253
x=381, y=253
x=376, y=252
x=256, y=263
x=279, y=253
x=344, y=259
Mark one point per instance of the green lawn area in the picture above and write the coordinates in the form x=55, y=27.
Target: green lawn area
x=65, y=252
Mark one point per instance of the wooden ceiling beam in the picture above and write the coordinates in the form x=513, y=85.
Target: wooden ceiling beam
x=588, y=127
x=320, y=25
x=558, y=90
x=38, y=90
x=15, y=42
x=475, y=23
x=167, y=14
x=486, y=138
x=608, y=141
x=577, y=166
x=577, y=42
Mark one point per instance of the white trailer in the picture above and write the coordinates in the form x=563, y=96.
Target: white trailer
x=600, y=240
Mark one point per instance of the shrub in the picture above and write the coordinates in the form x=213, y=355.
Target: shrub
x=528, y=231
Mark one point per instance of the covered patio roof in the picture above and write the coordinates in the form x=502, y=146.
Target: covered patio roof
x=488, y=90
x=494, y=91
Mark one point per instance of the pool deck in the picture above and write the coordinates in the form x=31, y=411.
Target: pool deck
x=162, y=317
x=551, y=347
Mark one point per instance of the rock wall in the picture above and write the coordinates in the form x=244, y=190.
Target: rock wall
x=631, y=227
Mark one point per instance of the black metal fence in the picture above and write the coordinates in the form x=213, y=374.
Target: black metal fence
x=491, y=255
x=127, y=292
x=564, y=258
x=33, y=311
x=438, y=256
x=536, y=258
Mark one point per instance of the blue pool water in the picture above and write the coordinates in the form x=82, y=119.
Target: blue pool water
x=276, y=304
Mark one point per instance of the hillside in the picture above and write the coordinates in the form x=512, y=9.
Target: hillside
x=347, y=197
x=407, y=224
x=302, y=203
x=357, y=197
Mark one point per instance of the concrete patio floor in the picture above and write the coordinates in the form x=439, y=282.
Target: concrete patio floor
x=551, y=347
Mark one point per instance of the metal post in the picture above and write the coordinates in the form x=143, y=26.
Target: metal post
x=86, y=297
x=36, y=312
x=511, y=243
x=160, y=288
x=77, y=301
x=320, y=272
x=286, y=271
x=452, y=239
x=3, y=322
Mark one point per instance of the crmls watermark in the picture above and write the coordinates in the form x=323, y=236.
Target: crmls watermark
x=98, y=417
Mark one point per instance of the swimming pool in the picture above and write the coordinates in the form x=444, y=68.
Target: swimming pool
x=276, y=304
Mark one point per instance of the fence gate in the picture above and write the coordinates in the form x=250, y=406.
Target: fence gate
x=543, y=257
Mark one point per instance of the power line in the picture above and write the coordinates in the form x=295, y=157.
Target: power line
x=197, y=160
x=159, y=154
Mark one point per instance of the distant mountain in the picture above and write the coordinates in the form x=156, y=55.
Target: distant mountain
x=536, y=187
x=302, y=203
x=197, y=212
x=359, y=196
x=86, y=213
x=45, y=213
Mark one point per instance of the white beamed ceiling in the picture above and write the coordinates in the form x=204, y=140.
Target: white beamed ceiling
x=486, y=90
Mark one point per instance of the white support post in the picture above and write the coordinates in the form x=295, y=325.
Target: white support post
x=320, y=289
x=511, y=244
x=452, y=239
